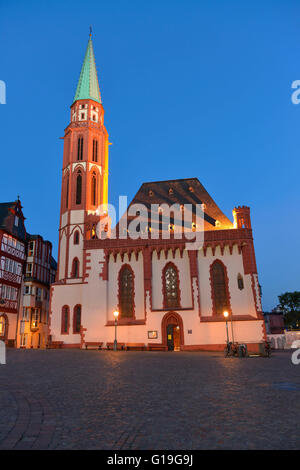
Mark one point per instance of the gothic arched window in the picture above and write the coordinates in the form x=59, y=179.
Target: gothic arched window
x=94, y=189
x=76, y=238
x=126, y=292
x=75, y=268
x=171, y=286
x=78, y=187
x=77, y=319
x=65, y=319
x=219, y=288
x=80, y=148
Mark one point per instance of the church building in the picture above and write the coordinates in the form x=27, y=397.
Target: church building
x=167, y=295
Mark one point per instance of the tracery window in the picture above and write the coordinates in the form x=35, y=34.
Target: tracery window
x=126, y=292
x=171, y=286
x=219, y=288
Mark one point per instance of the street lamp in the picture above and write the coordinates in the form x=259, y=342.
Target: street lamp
x=226, y=316
x=116, y=314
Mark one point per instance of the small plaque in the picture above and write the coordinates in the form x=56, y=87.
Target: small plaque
x=190, y=332
x=152, y=334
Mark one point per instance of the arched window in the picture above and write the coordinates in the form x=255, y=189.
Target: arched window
x=219, y=288
x=240, y=282
x=78, y=187
x=94, y=189
x=171, y=286
x=76, y=238
x=77, y=319
x=80, y=148
x=126, y=292
x=75, y=268
x=95, y=150
x=65, y=320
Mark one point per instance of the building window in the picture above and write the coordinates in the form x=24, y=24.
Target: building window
x=75, y=268
x=240, y=282
x=94, y=189
x=65, y=319
x=171, y=286
x=80, y=147
x=78, y=187
x=126, y=292
x=31, y=249
x=35, y=318
x=77, y=319
x=95, y=150
x=219, y=288
x=76, y=238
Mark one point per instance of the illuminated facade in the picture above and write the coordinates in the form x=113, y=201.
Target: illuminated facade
x=168, y=297
x=40, y=270
x=12, y=258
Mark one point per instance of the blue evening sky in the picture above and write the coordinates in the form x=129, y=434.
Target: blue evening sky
x=190, y=89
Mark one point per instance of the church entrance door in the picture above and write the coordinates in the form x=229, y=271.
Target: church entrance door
x=173, y=337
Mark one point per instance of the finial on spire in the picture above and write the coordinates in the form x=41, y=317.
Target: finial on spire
x=90, y=31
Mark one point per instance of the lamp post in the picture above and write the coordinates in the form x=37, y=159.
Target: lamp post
x=116, y=314
x=226, y=316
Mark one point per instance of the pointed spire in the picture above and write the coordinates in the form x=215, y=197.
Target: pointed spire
x=88, y=85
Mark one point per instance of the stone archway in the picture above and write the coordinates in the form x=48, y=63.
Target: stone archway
x=172, y=318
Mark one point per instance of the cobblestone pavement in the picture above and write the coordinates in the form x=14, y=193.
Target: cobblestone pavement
x=73, y=399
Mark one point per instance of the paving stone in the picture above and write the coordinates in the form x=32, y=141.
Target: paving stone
x=71, y=399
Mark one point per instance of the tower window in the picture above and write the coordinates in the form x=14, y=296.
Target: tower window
x=82, y=115
x=95, y=150
x=78, y=188
x=171, y=286
x=126, y=292
x=94, y=189
x=76, y=238
x=75, y=268
x=80, y=148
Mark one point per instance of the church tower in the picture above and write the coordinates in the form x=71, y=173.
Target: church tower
x=85, y=170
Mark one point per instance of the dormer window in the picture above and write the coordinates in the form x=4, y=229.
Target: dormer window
x=171, y=191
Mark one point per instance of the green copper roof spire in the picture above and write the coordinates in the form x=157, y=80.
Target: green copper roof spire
x=88, y=85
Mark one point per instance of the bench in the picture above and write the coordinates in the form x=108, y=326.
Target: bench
x=135, y=346
x=55, y=344
x=93, y=344
x=120, y=346
x=157, y=347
